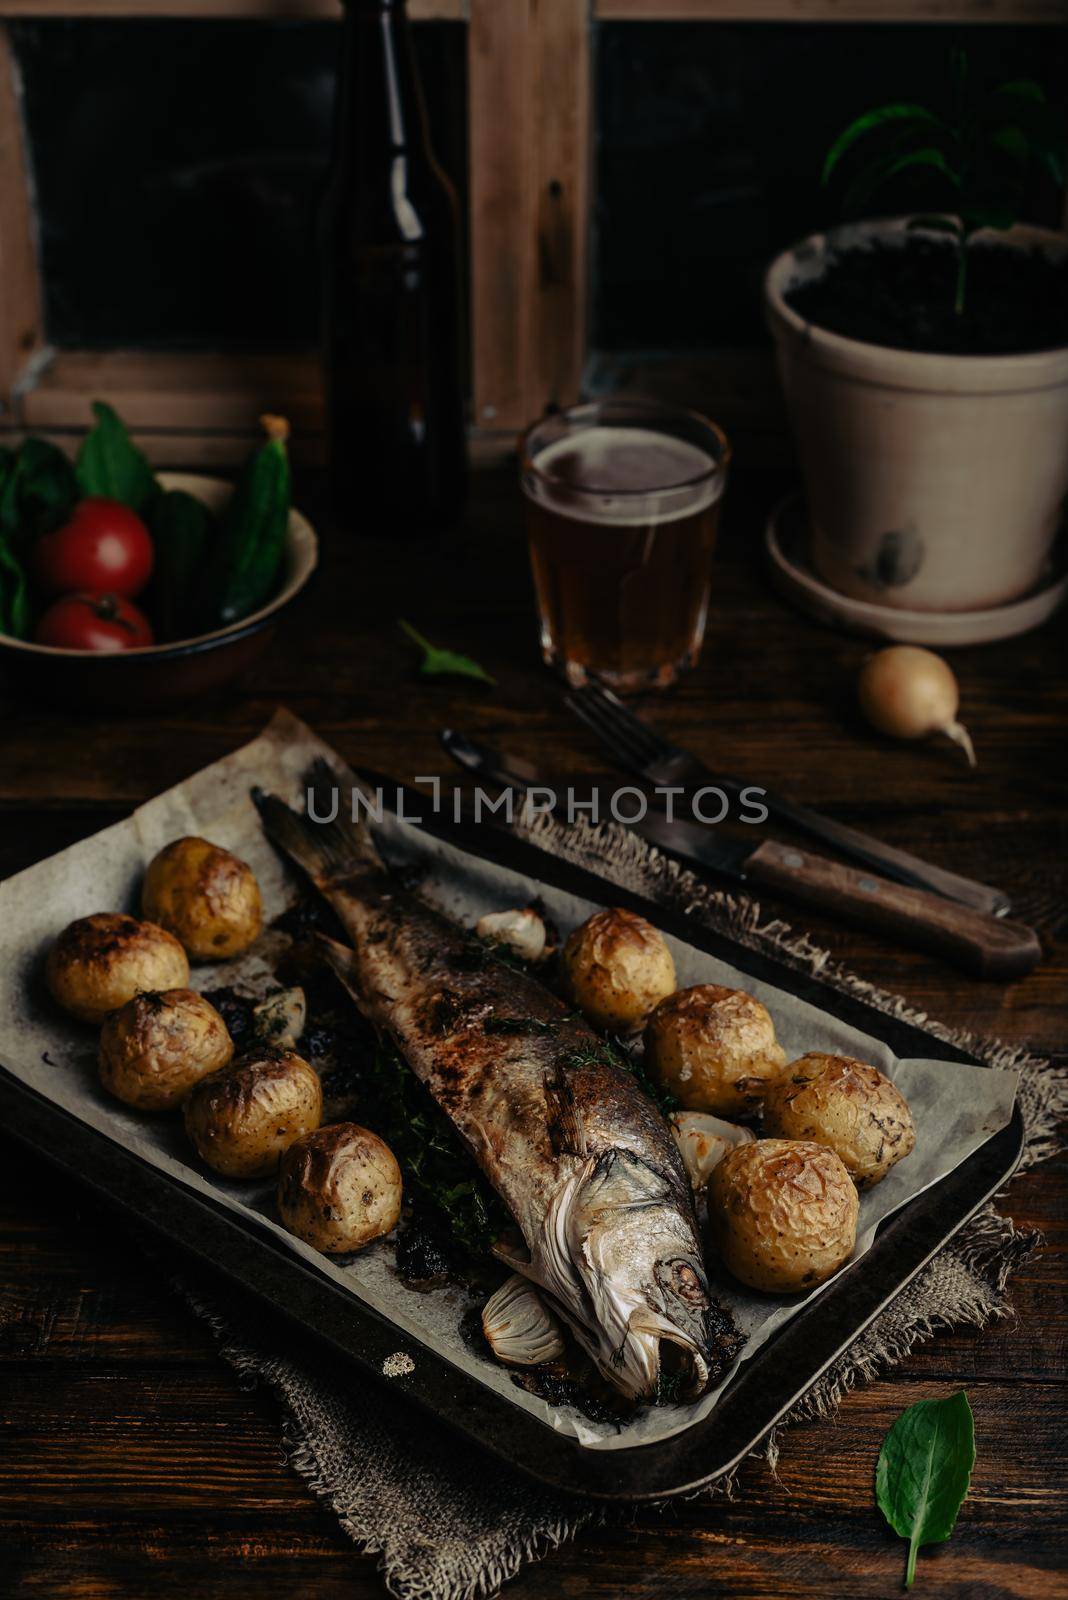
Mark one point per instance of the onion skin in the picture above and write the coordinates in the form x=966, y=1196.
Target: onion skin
x=909, y=693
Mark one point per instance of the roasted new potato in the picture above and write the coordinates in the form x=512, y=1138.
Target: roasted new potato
x=204, y=895
x=617, y=968
x=243, y=1120
x=339, y=1188
x=100, y=962
x=714, y=1049
x=848, y=1106
x=783, y=1213
x=158, y=1045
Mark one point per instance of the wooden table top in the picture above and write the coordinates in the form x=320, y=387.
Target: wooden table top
x=132, y=1462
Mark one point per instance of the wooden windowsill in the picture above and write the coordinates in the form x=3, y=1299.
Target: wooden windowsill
x=946, y=11
x=189, y=408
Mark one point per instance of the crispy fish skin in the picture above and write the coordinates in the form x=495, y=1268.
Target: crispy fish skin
x=581, y=1157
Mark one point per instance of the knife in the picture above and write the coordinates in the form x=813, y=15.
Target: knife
x=988, y=947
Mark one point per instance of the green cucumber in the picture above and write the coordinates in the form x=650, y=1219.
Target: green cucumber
x=242, y=571
x=183, y=530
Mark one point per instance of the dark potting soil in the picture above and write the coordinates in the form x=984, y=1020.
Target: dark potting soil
x=902, y=295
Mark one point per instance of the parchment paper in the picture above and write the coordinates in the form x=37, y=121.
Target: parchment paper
x=956, y=1107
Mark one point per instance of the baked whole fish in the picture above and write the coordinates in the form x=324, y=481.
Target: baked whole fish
x=581, y=1157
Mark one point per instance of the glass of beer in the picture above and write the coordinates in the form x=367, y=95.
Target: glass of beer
x=623, y=499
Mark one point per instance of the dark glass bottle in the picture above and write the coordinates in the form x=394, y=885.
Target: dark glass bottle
x=394, y=370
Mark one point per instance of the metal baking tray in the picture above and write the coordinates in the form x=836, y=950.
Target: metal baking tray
x=765, y=1387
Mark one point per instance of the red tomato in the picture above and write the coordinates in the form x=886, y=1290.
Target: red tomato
x=93, y=622
x=105, y=548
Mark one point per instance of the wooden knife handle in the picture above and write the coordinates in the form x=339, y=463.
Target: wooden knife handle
x=989, y=947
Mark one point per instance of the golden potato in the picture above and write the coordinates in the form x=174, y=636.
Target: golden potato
x=339, y=1188
x=244, y=1119
x=713, y=1048
x=848, y=1106
x=100, y=962
x=158, y=1045
x=204, y=895
x=617, y=967
x=784, y=1214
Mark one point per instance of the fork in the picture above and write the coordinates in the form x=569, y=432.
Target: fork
x=636, y=746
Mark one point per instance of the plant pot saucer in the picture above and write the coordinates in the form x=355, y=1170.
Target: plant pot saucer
x=786, y=547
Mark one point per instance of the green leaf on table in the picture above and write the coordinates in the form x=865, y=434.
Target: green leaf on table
x=444, y=663
x=923, y=1473
x=110, y=464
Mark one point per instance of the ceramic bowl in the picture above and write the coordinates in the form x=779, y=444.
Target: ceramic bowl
x=134, y=680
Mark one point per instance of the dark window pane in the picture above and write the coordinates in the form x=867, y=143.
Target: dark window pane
x=179, y=166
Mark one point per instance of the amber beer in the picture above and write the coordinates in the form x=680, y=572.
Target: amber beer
x=622, y=506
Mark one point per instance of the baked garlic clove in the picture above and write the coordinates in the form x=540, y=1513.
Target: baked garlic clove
x=280, y=1018
x=523, y=931
x=703, y=1141
x=519, y=1327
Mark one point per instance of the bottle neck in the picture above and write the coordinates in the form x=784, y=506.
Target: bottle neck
x=380, y=104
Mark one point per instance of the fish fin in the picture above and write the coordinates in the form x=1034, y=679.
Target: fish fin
x=566, y=1132
x=623, y=1181
x=325, y=850
x=342, y=963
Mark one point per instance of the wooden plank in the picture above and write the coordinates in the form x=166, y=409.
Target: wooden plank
x=21, y=321
x=199, y=390
x=1016, y=12
x=562, y=144
x=500, y=114
x=965, y=11
x=253, y=10
x=195, y=408
x=528, y=93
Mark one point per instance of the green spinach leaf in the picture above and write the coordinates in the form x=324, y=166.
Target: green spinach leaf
x=47, y=490
x=38, y=490
x=444, y=663
x=15, y=611
x=924, y=1468
x=183, y=530
x=110, y=464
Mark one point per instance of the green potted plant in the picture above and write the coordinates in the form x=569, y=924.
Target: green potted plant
x=925, y=358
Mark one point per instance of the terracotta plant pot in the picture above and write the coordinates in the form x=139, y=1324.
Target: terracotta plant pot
x=934, y=482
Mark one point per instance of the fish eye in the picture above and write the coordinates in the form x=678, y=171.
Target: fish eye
x=683, y=1280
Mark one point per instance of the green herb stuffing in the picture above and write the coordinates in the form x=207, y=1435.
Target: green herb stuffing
x=604, y=1054
x=436, y=1166
x=514, y=1025
x=477, y=954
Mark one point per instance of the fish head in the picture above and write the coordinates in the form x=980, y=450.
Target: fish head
x=639, y=1300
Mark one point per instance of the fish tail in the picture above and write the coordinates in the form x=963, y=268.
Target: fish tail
x=328, y=849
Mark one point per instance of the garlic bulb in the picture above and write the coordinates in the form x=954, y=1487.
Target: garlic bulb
x=280, y=1018
x=519, y=1327
x=523, y=931
x=703, y=1141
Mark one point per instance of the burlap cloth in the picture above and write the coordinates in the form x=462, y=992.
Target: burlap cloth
x=445, y=1523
